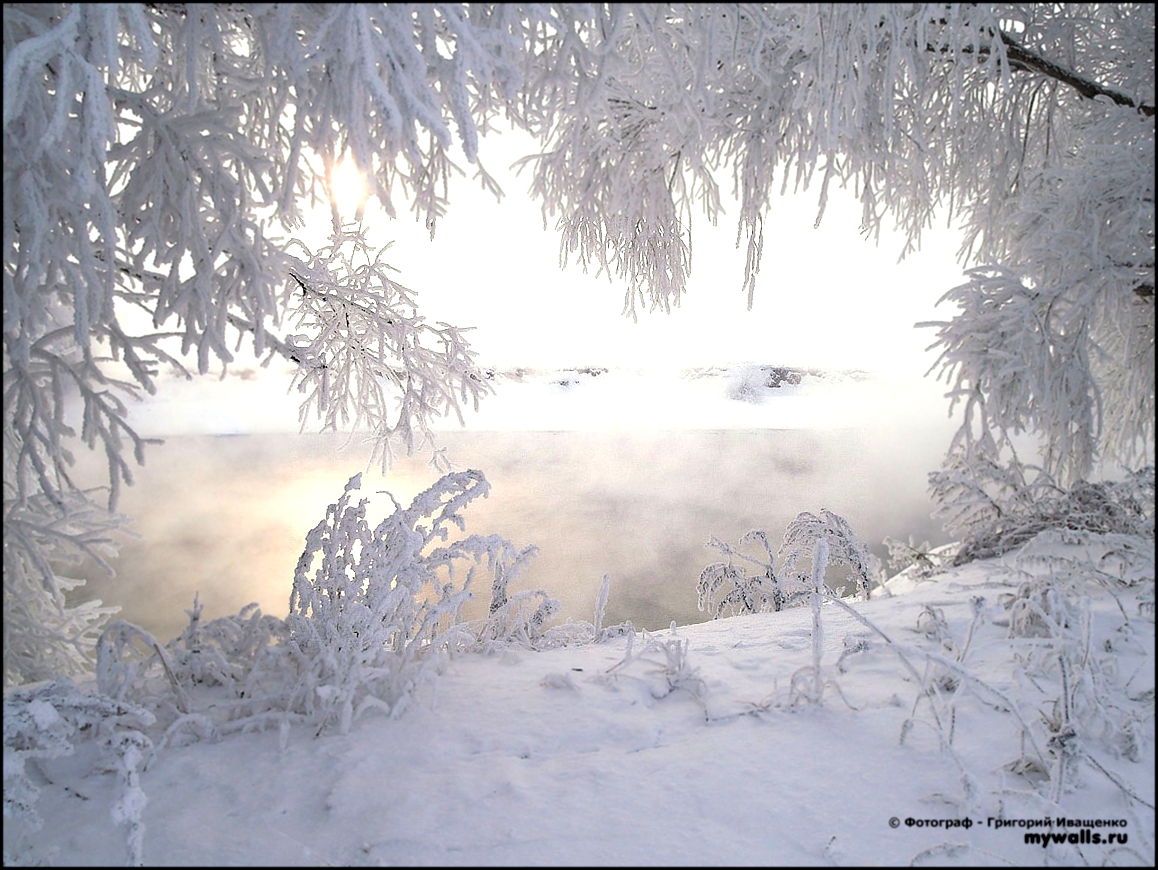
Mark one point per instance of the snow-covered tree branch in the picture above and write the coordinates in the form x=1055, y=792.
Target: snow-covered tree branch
x=365, y=344
x=154, y=155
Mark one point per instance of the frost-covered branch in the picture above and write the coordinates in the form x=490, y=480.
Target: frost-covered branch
x=366, y=356
x=45, y=635
x=1028, y=60
x=1063, y=344
x=841, y=545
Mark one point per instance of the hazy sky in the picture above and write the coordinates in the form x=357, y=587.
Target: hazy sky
x=825, y=296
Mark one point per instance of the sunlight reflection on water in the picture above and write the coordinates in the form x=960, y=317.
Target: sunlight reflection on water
x=227, y=516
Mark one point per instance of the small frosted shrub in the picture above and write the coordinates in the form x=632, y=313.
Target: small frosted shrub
x=370, y=610
x=123, y=658
x=670, y=669
x=995, y=508
x=844, y=547
x=773, y=581
x=921, y=560
x=224, y=651
x=519, y=619
x=732, y=585
x=677, y=672
x=508, y=566
x=227, y=674
x=1040, y=608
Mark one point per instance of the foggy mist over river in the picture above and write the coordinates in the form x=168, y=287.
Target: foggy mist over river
x=226, y=516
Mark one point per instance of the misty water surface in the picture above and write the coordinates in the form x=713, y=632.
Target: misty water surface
x=226, y=516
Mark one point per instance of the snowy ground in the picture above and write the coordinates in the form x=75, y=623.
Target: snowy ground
x=941, y=744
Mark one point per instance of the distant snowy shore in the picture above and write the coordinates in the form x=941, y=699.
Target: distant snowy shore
x=761, y=378
x=746, y=396
x=582, y=397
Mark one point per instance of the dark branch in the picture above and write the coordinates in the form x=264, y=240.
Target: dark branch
x=1020, y=57
x=301, y=283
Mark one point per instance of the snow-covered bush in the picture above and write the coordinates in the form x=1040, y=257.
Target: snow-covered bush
x=733, y=586
x=520, y=618
x=237, y=664
x=844, y=547
x=995, y=508
x=124, y=672
x=924, y=559
x=777, y=583
x=507, y=567
x=224, y=651
x=371, y=611
x=372, y=608
x=233, y=673
x=49, y=721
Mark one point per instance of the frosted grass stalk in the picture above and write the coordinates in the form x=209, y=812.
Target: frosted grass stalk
x=819, y=564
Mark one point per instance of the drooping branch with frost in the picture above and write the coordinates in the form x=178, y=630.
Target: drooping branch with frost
x=366, y=356
x=45, y=635
x=1062, y=344
x=993, y=508
x=731, y=584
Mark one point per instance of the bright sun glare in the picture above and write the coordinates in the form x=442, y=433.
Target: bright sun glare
x=349, y=187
